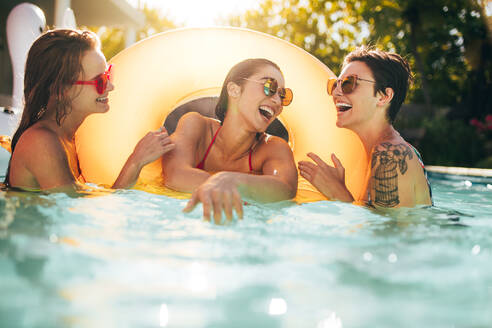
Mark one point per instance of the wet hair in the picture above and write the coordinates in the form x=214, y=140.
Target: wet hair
x=390, y=70
x=237, y=74
x=53, y=63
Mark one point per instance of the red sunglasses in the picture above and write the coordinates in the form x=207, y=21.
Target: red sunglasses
x=101, y=81
x=348, y=84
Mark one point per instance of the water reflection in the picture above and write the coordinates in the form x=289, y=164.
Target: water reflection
x=24, y=246
x=8, y=208
x=247, y=306
x=141, y=263
x=331, y=322
x=367, y=257
x=395, y=221
x=278, y=306
x=198, y=282
x=163, y=316
x=25, y=233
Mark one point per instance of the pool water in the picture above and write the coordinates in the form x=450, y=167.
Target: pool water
x=133, y=259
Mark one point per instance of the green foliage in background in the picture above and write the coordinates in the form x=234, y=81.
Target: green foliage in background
x=451, y=143
x=447, y=42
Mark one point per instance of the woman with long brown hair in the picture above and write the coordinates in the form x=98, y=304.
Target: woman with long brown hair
x=251, y=163
x=66, y=80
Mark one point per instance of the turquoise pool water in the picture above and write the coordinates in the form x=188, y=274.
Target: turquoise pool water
x=132, y=259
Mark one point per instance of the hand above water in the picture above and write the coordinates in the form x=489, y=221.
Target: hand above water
x=329, y=180
x=218, y=193
x=152, y=146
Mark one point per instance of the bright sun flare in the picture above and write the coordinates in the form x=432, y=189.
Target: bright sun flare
x=194, y=13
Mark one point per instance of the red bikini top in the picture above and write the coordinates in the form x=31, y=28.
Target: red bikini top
x=202, y=162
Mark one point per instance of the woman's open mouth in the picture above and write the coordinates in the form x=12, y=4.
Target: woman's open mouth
x=103, y=100
x=343, y=107
x=266, y=112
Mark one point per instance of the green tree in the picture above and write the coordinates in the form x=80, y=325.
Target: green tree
x=155, y=22
x=320, y=27
x=447, y=42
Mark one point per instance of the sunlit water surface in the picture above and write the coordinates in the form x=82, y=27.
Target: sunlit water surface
x=133, y=259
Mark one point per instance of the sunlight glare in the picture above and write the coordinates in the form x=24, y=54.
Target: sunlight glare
x=198, y=13
x=278, y=306
x=163, y=316
x=198, y=282
x=333, y=321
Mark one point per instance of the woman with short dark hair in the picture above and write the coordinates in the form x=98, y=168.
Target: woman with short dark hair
x=367, y=96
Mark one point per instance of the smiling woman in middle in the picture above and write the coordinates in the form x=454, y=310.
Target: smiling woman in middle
x=222, y=160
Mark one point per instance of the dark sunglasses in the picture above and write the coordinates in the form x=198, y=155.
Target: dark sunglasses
x=101, y=81
x=348, y=84
x=270, y=88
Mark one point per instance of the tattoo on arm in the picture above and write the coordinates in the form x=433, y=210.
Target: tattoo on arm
x=387, y=159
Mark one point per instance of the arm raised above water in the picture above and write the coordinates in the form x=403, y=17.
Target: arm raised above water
x=329, y=180
x=279, y=174
x=152, y=146
x=223, y=191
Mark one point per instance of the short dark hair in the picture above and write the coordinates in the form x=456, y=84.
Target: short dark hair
x=390, y=70
x=237, y=74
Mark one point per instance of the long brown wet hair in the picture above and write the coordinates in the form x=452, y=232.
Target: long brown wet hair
x=53, y=63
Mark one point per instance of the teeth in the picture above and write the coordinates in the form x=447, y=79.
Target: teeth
x=101, y=99
x=343, y=106
x=267, y=109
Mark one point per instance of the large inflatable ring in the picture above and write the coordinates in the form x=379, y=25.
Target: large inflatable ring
x=156, y=76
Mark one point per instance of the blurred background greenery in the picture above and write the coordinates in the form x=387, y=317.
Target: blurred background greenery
x=448, y=112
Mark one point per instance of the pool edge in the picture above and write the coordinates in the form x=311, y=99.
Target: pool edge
x=475, y=175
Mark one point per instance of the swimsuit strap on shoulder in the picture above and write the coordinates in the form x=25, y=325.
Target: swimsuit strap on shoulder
x=250, y=165
x=201, y=165
x=421, y=162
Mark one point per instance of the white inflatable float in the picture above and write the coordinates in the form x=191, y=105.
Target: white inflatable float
x=165, y=71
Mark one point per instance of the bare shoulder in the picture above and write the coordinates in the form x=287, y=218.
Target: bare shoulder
x=191, y=129
x=39, y=160
x=190, y=139
x=397, y=152
x=274, y=145
x=193, y=122
x=38, y=140
x=274, y=154
x=274, y=141
x=396, y=174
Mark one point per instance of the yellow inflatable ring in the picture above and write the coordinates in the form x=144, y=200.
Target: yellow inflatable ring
x=160, y=73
